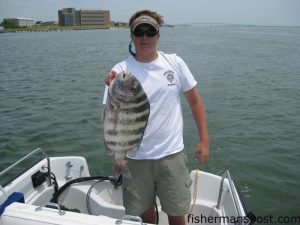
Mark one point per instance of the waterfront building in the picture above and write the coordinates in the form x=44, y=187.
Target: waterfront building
x=49, y=23
x=66, y=17
x=118, y=24
x=21, y=21
x=72, y=17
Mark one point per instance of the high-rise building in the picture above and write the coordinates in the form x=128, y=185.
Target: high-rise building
x=66, y=17
x=72, y=17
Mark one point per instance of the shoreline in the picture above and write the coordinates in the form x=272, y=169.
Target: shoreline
x=53, y=28
x=57, y=28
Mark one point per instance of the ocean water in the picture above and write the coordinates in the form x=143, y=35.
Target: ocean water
x=51, y=87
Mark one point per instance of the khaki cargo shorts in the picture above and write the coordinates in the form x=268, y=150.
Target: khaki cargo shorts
x=168, y=178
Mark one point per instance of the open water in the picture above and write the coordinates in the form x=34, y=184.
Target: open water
x=51, y=86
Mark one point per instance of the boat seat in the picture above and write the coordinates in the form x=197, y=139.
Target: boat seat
x=14, y=197
x=25, y=214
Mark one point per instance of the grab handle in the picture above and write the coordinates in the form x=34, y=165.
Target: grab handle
x=130, y=218
x=52, y=205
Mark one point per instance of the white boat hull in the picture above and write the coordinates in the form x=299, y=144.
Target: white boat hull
x=105, y=201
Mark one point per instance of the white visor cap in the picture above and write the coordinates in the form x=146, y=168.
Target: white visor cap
x=145, y=19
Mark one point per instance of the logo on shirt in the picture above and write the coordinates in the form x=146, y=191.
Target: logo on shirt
x=169, y=74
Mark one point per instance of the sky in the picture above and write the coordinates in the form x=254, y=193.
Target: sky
x=249, y=12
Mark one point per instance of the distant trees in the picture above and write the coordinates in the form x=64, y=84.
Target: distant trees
x=8, y=24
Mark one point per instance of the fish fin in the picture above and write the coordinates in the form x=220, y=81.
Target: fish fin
x=125, y=170
x=121, y=167
x=107, y=150
x=117, y=170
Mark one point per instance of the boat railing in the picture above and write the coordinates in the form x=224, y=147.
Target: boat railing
x=3, y=172
x=232, y=190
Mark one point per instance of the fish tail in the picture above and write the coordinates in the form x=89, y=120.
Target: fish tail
x=121, y=167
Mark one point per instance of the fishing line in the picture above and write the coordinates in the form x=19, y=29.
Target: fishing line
x=116, y=181
x=87, y=200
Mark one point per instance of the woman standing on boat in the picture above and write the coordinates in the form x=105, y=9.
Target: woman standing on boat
x=160, y=165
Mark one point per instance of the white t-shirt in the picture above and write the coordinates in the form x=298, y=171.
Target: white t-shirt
x=163, y=80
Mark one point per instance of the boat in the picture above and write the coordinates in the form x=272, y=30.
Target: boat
x=60, y=190
x=2, y=30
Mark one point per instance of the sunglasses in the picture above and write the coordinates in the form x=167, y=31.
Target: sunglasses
x=149, y=32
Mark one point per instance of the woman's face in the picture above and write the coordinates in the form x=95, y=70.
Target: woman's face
x=145, y=38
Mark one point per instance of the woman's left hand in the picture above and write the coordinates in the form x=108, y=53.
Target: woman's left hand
x=202, y=152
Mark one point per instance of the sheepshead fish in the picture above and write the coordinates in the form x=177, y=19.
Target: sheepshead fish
x=125, y=119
